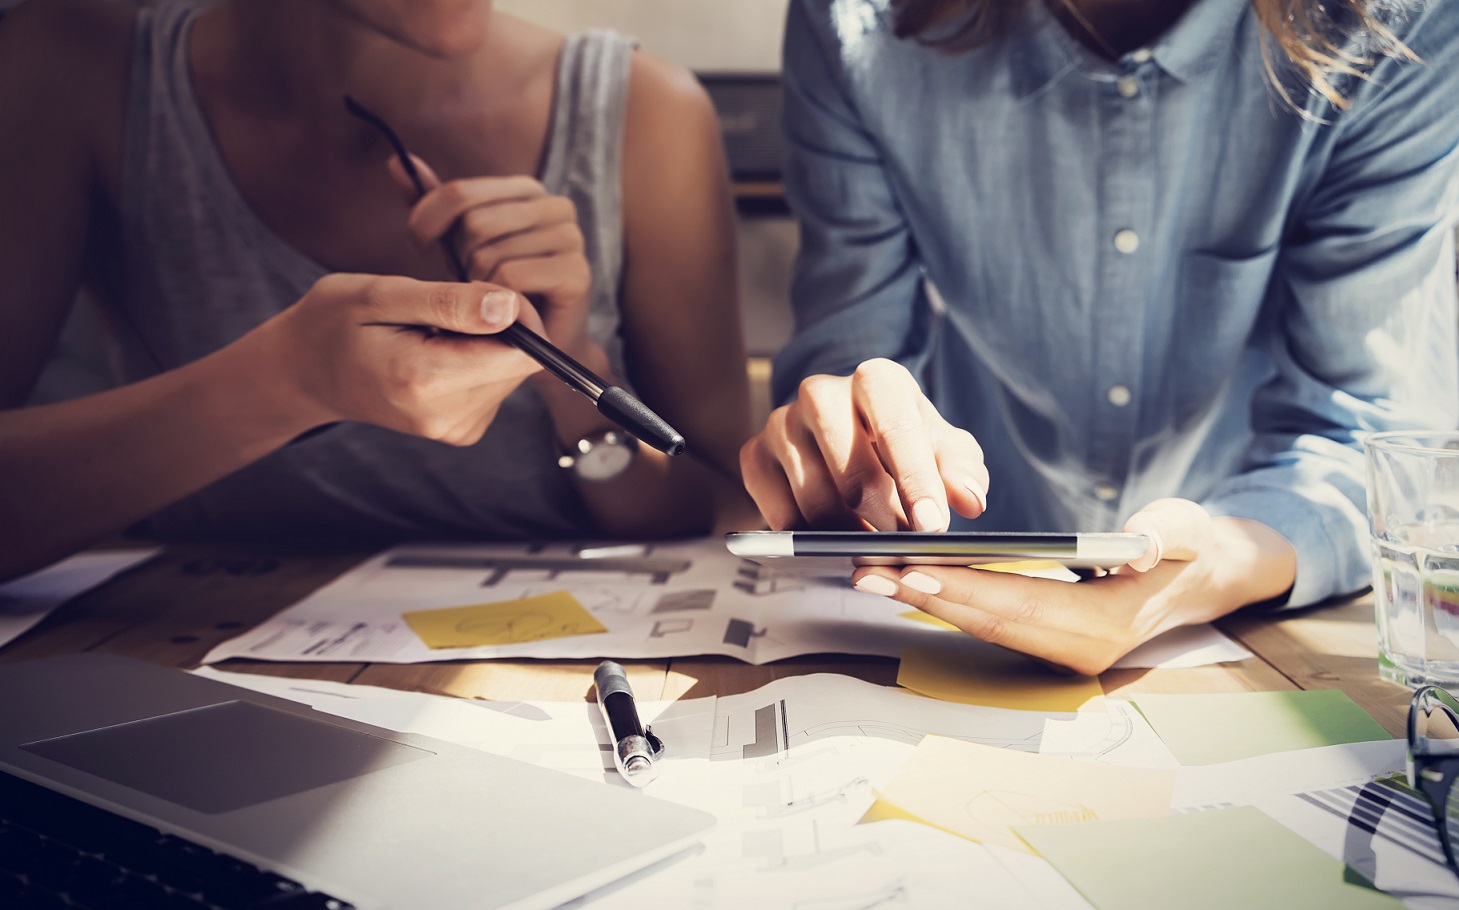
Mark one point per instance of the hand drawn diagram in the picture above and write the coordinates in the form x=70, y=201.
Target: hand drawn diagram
x=505, y=626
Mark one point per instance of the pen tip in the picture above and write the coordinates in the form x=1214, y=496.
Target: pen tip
x=634, y=416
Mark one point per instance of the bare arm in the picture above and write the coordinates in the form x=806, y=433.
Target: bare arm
x=82, y=468
x=63, y=71
x=681, y=320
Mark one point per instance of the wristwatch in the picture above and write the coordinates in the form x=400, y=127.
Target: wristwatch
x=600, y=456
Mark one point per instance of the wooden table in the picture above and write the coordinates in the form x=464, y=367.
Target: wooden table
x=175, y=608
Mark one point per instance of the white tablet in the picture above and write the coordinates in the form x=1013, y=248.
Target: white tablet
x=825, y=549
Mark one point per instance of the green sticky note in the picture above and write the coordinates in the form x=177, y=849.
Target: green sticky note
x=1213, y=860
x=1206, y=729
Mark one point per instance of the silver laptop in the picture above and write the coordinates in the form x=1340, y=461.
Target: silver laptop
x=369, y=816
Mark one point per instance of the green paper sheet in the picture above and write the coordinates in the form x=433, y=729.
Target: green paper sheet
x=1214, y=860
x=1206, y=729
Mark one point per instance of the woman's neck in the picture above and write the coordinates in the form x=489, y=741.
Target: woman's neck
x=1112, y=28
x=297, y=59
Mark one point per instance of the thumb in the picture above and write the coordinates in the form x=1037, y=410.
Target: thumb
x=402, y=178
x=1177, y=528
x=476, y=308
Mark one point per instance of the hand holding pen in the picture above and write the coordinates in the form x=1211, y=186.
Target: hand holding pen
x=524, y=236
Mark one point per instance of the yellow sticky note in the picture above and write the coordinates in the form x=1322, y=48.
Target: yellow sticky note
x=982, y=792
x=919, y=616
x=994, y=677
x=1036, y=568
x=882, y=811
x=507, y=622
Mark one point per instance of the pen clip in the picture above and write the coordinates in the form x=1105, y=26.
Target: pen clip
x=655, y=745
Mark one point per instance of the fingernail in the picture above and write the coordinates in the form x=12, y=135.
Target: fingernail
x=876, y=584
x=1159, y=547
x=924, y=583
x=978, y=493
x=497, y=306
x=927, y=516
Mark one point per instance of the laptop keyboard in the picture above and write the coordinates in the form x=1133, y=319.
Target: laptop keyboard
x=58, y=852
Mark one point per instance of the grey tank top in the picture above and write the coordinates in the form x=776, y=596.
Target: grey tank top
x=201, y=269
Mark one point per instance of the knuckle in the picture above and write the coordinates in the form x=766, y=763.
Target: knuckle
x=561, y=208
x=569, y=236
x=443, y=305
x=508, y=273
x=989, y=628
x=476, y=225
x=815, y=386
x=899, y=428
x=750, y=461
x=453, y=194
x=967, y=441
x=880, y=369
x=483, y=263
x=917, y=485
x=375, y=295
x=1028, y=610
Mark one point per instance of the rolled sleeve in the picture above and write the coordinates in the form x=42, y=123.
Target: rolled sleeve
x=1363, y=303
x=857, y=291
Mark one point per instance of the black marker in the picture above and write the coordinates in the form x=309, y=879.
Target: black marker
x=635, y=748
x=613, y=402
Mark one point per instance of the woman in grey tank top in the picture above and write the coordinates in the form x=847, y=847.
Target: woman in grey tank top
x=195, y=165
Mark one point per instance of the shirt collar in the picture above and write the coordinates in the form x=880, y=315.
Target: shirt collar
x=1199, y=39
x=1041, y=52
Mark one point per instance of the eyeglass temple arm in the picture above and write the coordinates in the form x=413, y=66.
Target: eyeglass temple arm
x=1425, y=699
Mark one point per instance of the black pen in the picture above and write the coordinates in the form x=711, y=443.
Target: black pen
x=635, y=748
x=613, y=402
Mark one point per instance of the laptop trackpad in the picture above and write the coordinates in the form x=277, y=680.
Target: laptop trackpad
x=225, y=756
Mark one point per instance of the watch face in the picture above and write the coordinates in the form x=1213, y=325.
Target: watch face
x=604, y=458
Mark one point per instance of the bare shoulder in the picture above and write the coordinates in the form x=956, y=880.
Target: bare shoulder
x=671, y=136
x=661, y=92
x=64, y=65
x=82, y=43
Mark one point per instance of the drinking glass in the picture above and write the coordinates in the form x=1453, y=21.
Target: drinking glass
x=1413, y=514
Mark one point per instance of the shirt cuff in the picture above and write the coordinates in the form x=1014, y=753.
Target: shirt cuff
x=1332, y=550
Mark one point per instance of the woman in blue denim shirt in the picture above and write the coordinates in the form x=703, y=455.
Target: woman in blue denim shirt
x=1104, y=264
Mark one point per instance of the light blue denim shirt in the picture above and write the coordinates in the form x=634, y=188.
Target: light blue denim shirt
x=1158, y=279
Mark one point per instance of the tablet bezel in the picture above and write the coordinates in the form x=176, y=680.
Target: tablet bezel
x=1086, y=550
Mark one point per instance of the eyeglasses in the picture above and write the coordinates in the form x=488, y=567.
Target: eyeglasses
x=1433, y=762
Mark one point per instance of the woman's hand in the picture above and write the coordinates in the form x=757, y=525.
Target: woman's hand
x=1196, y=569
x=863, y=451
x=368, y=348
x=512, y=232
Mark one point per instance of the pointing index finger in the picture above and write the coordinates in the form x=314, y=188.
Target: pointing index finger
x=889, y=402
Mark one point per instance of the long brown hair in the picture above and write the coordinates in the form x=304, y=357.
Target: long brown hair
x=1320, y=40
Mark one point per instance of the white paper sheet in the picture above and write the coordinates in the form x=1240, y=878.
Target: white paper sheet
x=661, y=600
x=1119, y=735
x=1187, y=646
x=29, y=599
x=787, y=769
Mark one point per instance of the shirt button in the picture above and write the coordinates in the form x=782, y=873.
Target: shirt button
x=1106, y=491
x=1127, y=241
x=1118, y=395
x=1141, y=55
x=1129, y=86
